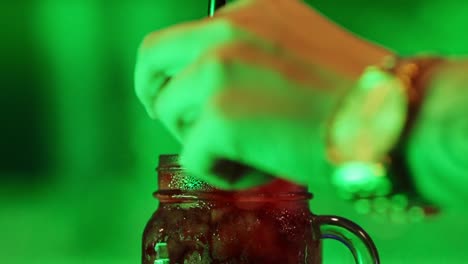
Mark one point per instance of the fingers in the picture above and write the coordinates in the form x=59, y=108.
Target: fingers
x=236, y=66
x=164, y=54
x=167, y=52
x=212, y=154
x=222, y=84
x=290, y=147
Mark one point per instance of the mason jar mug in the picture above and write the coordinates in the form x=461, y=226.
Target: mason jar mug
x=197, y=223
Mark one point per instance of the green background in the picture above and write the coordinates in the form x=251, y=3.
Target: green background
x=78, y=152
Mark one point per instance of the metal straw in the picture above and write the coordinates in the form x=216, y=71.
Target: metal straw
x=215, y=5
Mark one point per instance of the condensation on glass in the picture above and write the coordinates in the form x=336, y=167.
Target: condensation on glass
x=197, y=223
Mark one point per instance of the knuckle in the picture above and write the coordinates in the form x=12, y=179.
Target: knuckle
x=220, y=105
x=221, y=63
x=228, y=56
x=228, y=28
x=220, y=58
x=148, y=41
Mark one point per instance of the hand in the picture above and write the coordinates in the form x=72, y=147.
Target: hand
x=254, y=85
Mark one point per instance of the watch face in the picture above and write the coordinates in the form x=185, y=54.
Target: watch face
x=370, y=119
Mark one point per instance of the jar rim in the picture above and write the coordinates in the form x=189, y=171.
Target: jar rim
x=230, y=196
x=173, y=178
x=168, y=161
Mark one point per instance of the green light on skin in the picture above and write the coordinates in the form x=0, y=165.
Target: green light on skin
x=370, y=120
x=372, y=78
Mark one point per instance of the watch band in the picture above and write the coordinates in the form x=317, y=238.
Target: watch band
x=415, y=73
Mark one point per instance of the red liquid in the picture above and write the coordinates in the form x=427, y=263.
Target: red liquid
x=270, y=224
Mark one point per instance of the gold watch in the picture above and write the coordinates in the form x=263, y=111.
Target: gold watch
x=368, y=132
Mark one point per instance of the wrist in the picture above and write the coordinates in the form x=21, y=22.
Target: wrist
x=346, y=53
x=437, y=146
x=368, y=54
x=370, y=160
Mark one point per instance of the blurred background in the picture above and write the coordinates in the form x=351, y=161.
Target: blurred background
x=78, y=151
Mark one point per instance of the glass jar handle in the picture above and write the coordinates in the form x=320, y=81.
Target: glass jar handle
x=351, y=235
